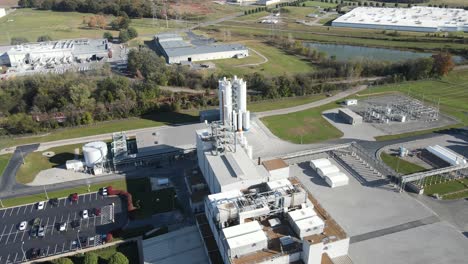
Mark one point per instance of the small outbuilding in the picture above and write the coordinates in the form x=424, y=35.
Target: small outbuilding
x=349, y=116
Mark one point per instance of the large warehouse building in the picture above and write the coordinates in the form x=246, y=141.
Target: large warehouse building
x=417, y=18
x=176, y=50
x=49, y=54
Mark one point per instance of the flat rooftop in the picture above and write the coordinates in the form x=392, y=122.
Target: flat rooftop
x=76, y=46
x=175, y=247
x=275, y=164
x=445, y=19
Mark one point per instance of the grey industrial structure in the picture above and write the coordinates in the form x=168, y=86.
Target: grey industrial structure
x=48, y=54
x=176, y=50
x=349, y=116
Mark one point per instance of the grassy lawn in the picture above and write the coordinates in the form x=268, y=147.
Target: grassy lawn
x=36, y=161
x=267, y=105
x=150, y=202
x=307, y=126
x=452, y=91
x=159, y=119
x=278, y=63
x=443, y=188
x=400, y=165
x=319, y=4
x=455, y=196
x=30, y=24
x=449, y=2
x=119, y=184
x=4, y=159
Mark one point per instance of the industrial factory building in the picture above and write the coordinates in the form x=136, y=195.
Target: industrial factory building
x=176, y=50
x=53, y=53
x=417, y=18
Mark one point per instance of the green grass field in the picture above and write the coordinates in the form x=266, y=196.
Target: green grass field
x=268, y=105
x=303, y=127
x=159, y=119
x=452, y=91
x=319, y=4
x=400, y=165
x=119, y=184
x=36, y=162
x=30, y=24
x=445, y=187
x=4, y=159
x=278, y=62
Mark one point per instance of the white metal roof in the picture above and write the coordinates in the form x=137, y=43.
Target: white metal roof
x=273, y=185
x=242, y=229
x=246, y=239
x=310, y=222
x=446, y=155
x=301, y=214
x=415, y=17
x=329, y=169
x=337, y=177
x=319, y=163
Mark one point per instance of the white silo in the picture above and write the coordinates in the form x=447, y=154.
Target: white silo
x=239, y=121
x=246, y=121
x=234, y=120
x=94, y=153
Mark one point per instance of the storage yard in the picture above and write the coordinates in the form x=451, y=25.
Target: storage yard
x=416, y=18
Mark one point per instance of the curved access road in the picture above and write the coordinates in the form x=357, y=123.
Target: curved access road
x=318, y=103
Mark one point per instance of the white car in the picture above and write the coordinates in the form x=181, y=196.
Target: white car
x=63, y=226
x=84, y=214
x=40, y=205
x=104, y=191
x=22, y=226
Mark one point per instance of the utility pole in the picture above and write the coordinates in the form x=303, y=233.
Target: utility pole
x=45, y=191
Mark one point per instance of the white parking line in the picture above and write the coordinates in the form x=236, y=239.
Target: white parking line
x=32, y=207
x=74, y=216
x=55, y=251
x=47, y=253
x=68, y=220
x=22, y=236
x=11, y=212
x=17, y=212
x=16, y=234
x=3, y=232
x=63, y=247
x=87, y=224
x=95, y=221
x=26, y=207
x=53, y=226
x=45, y=205
x=4, y=212
x=16, y=255
x=9, y=233
x=96, y=196
x=8, y=258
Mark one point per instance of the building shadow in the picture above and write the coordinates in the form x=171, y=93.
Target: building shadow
x=172, y=118
x=314, y=177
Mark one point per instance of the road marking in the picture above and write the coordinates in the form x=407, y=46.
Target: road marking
x=24, y=232
x=4, y=212
x=16, y=255
x=45, y=205
x=96, y=196
x=32, y=207
x=53, y=226
x=87, y=223
x=55, y=251
x=9, y=233
x=48, y=247
x=68, y=220
x=3, y=232
x=95, y=221
x=26, y=207
x=75, y=216
x=11, y=211
x=46, y=225
x=16, y=234
x=8, y=258
x=17, y=212
x=63, y=247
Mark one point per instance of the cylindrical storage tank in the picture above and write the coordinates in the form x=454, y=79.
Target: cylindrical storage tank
x=94, y=152
x=246, y=121
x=228, y=94
x=234, y=120
x=239, y=121
x=242, y=95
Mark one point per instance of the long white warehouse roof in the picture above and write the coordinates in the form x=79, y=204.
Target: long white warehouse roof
x=446, y=155
x=417, y=18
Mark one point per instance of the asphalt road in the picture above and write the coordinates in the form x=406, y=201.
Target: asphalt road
x=8, y=179
x=16, y=245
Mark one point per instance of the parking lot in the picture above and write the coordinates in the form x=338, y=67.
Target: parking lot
x=17, y=245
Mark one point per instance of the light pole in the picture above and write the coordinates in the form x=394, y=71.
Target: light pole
x=22, y=249
x=45, y=191
x=78, y=237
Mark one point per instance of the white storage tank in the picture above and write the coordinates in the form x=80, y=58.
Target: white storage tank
x=246, y=120
x=327, y=170
x=94, y=153
x=320, y=163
